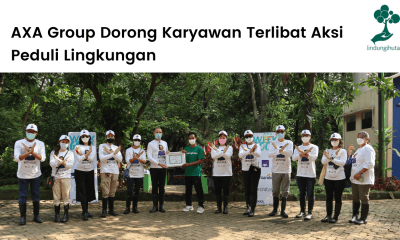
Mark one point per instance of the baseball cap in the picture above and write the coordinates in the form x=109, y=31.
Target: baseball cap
x=280, y=127
x=137, y=136
x=336, y=136
x=110, y=131
x=305, y=131
x=32, y=126
x=84, y=132
x=64, y=137
x=247, y=132
x=223, y=132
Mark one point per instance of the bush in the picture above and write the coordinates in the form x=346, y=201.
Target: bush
x=8, y=167
x=386, y=184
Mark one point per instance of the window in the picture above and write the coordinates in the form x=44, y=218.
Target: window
x=351, y=123
x=367, y=120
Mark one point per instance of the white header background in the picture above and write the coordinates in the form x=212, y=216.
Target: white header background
x=347, y=54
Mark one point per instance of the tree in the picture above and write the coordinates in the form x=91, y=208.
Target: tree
x=384, y=16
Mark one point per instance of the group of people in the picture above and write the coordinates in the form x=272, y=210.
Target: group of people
x=29, y=152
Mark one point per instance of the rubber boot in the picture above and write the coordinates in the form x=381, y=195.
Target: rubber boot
x=356, y=210
x=87, y=211
x=161, y=201
x=302, y=208
x=338, y=207
x=310, y=209
x=65, y=217
x=247, y=206
x=22, y=212
x=226, y=201
x=84, y=212
x=36, y=217
x=253, y=204
x=329, y=208
x=219, y=204
x=111, y=206
x=283, y=207
x=127, y=205
x=57, y=213
x=275, y=204
x=155, y=204
x=134, y=204
x=104, y=212
x=364, y=214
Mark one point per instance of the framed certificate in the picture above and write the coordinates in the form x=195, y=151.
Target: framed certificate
x=175, y=159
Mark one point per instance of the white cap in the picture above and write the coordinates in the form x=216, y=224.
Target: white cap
x=247, y=132
x=336, y=136
x=305, y=131
x=64, y=137
x=84, y=132
x=137, y=136
x=223, y=132
x=110, y=131
x=280, y=127
x=32, y=126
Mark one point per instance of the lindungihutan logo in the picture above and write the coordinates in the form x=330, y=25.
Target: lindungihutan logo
x=385, y=16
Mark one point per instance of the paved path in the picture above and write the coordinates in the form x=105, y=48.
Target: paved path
x=175, y=224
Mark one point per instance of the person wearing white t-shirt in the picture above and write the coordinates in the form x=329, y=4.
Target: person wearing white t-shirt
x=362, y=177
x=135, y=158
x=61, y=161
x=282, y=151
x=29, y=153
x=335, y=178
x=222, y=170
x=305, y=155
x=251, y=171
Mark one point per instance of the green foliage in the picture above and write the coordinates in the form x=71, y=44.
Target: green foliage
x=388, y=136
x=8, y=167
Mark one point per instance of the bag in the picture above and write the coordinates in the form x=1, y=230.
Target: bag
x=322, y=175
x=125, y=175
x=347, y=168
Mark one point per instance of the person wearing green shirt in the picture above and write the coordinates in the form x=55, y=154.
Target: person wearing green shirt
x=194, y=158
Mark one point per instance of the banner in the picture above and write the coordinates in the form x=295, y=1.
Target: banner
x=74, y=136
x=265, y=184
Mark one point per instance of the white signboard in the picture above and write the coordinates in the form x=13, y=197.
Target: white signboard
x=74, y=136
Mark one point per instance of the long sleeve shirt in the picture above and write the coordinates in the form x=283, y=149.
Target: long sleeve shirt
x=83, y=164
x=29, y=167
x=136, y=169
x=109, y=161
x=281, y=162
x=249, y=159
x=63, y=171
x=222, y=165
x=365, y=158
x=335, y=169
x=306, y=166
x=156, y=153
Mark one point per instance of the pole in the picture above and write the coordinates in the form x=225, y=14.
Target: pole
x=383, y=132
x=380, y=129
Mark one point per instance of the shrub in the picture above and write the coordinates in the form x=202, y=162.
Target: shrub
x=386, y=184
x=8, y=167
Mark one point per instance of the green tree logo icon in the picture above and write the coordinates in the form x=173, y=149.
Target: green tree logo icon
x=384, y=16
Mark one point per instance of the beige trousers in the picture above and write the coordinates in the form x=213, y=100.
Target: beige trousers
x=109, y=184
x=61, y=189
x=361, y=192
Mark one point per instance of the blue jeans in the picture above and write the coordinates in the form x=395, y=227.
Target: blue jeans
x=23, y=185
x=306, y=185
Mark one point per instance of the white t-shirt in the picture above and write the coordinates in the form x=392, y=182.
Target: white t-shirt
x=136, y=169
x=82, y=164
x=156, y=153
x=63, y=172
x=335, y=169
x=109, y=162
x=365, y=158
x=222, y=165
x=306, y=166
x=281, y=162
x=29, y=168
x=248, y=158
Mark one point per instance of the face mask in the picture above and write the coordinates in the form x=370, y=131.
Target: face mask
x=280, y=135
x=64, y=145
x=305, y=139
x=158, y=135
x=335, y=143
x=192, y=141
x=110, y=140
x=136, y=143
x=360, y=141
x=30, y=136
x=249, y=140
x=85, y=139
x=222, y=141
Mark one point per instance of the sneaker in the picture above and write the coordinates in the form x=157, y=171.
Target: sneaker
x=200, y=210
x=188, y=208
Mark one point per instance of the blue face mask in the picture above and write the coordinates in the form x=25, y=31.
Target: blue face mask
x=280, y=135
x=158, y=135
x=30, y=136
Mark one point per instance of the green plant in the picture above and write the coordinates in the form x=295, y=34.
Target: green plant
x=388, y=139
x=8, y=167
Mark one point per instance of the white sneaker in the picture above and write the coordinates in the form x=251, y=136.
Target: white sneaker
x=200, y=210
x=188, y=208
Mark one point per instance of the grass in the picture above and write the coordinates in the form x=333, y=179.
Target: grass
x=15, y=187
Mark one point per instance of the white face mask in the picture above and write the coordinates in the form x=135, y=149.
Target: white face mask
x=305, y=139
x=335, y=143
x=85, y=139
x=136, y=143
x=192, y=141
x=360, y=141
x=249, y=140
x=64, y=146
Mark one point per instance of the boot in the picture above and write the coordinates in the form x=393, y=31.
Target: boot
x=329, y=207
x=104, y=212
x=155, y=204
x=356, y=209
x=84, y=212
x=338, y=207
x=161, y=208
x=283, y=207
x=36, y=217
x=302, y=208
x=134, y=204
x=219, y=204
x=87, y=210
x=310, y=208
x=128, y=205
x=275, y=204
x=364, y=214
x=247, y=206
x=65, y=217
x=111, y=206
x=22, y=211
x=226, y=201
x=253, y=204
x=57, y=213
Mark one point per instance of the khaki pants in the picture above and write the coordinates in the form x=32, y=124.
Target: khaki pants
x=280, y=180
x=61, y=189
x=109, y=183
x=361, y=192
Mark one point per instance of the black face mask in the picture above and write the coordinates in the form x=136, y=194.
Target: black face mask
x=110, y=140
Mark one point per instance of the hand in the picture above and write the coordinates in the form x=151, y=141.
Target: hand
x=185, y=165
x=78, y=150
x=357, y=176
x=117, y=150
x=214, y=147
x=273, y=144
x=132, y=160
x=64, y=163
x=33, y=148
x=184, y=151
x=90, y=149
x=245, y=149
x=253, y=148
x=337, y=152
x=141, y=161
x=107, y=150
x=226, y=148
x=162, y=165
x=325, y=153
x=26, y=148
x=167, y=152
x=140, y=154
x=351, y=148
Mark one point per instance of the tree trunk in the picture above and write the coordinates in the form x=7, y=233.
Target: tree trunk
x=307, y=124
x=2, y=82
x=82, y=92
x=253, y=100
x=33, y=100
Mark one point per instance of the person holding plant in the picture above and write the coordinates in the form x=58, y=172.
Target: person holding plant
x=110, y=157
x=29, y=153
x=61, y=161
x=305, y=155
x=222, y=170
x=282, y=151
x=84, y=172
x=251, y=171
x=135, y=157
x=335, y=178
x=362, y=177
